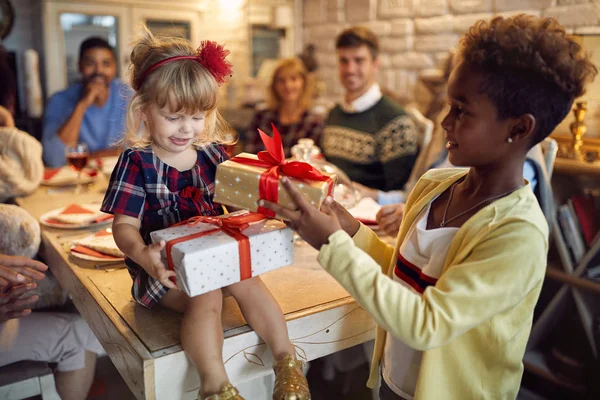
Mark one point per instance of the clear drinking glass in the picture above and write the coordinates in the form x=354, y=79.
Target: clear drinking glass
x=344, y=191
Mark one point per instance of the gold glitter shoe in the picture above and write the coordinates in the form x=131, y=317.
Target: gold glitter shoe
x=290, y=383
x=228, y=392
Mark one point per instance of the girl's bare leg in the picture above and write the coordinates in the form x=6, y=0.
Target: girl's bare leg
x=264, y=315
x=202, y=335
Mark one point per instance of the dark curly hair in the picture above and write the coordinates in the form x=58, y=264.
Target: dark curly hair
x=530, y=66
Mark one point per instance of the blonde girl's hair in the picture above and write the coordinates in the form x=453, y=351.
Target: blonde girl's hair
x=296, y=66
x=180, y=85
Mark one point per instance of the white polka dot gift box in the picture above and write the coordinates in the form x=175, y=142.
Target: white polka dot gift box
x=247, y=178
x=209, y=253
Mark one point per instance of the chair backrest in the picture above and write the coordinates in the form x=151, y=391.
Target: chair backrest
x=549, y=150
x=543, y=156
x=424, y=126
x=424, y=135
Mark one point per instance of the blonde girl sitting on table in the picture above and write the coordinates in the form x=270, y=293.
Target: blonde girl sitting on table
x=175, y=136
x=454, y=298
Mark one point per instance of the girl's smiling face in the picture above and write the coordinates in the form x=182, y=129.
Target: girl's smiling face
x=474, y=133
x=173, y=132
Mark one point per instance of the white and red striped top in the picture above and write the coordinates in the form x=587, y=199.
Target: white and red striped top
x=419, y=265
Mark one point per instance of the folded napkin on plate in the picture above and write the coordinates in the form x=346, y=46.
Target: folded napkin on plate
x=64, y=175
x=76, y=214
x=366, y=211
x=107, y=164
x=90, y=252
x=101, y=244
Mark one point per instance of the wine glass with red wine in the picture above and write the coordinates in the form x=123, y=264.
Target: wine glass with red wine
x=77, y=157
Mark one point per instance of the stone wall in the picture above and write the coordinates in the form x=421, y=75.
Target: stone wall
x=416, y=35
x=229, y=26
x=232, y=25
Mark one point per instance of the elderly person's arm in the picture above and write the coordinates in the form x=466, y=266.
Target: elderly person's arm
x=21, y=167
x=17, y=283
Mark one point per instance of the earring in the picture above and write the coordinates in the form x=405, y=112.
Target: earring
x=509, y=140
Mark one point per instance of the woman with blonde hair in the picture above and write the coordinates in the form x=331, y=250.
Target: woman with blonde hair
x=288, y=108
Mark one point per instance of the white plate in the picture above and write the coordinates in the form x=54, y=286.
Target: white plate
x=109, y=163
x=85, y=179
x=51, y=214
x=366, y=210
x=88, y=257
x=68, y=177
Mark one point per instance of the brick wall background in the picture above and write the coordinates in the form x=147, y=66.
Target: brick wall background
x=416, y=35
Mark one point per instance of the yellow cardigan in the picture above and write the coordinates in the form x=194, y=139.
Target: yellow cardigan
x=473, y=325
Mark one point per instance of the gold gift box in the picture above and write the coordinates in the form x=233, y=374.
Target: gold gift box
x=237, y=185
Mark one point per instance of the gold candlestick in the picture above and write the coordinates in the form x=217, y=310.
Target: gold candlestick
x=578, y=129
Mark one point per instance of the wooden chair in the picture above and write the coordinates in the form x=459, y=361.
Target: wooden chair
x=572, y=275
x=424, y=126
x=425, y=132
x=544, y=155
x=26, y=379
x=549, y=149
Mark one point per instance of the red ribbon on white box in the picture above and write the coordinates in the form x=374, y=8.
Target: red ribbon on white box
x=232, y=226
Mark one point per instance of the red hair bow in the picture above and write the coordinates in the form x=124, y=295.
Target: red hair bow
x=210, y=55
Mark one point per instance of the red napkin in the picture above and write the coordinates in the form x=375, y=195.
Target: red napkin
x=50, y=172
x=76, y=209
x=99, y=219
x=104, y=218
x=53, y=221
x=103, y=233
x=367, y=221
x=91, y=252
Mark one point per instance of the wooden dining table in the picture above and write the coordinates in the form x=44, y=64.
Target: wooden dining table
x=144, y=345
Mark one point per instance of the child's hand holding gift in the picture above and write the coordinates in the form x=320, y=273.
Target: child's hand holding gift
x=312, y=225
x=155, y=267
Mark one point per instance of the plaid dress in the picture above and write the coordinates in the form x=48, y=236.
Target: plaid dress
x=144, y=187
x=309, y=126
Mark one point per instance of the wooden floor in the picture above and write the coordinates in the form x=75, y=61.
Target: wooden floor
x=109, y=385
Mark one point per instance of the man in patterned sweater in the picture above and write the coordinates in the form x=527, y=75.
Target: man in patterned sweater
x=368, y=135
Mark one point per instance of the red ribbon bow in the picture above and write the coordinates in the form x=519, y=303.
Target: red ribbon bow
x=274, y=160
x=232, y=226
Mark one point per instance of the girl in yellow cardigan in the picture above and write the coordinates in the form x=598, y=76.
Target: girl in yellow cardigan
x=454, y=298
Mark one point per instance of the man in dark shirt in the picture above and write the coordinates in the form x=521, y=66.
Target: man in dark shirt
x=368, y=135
